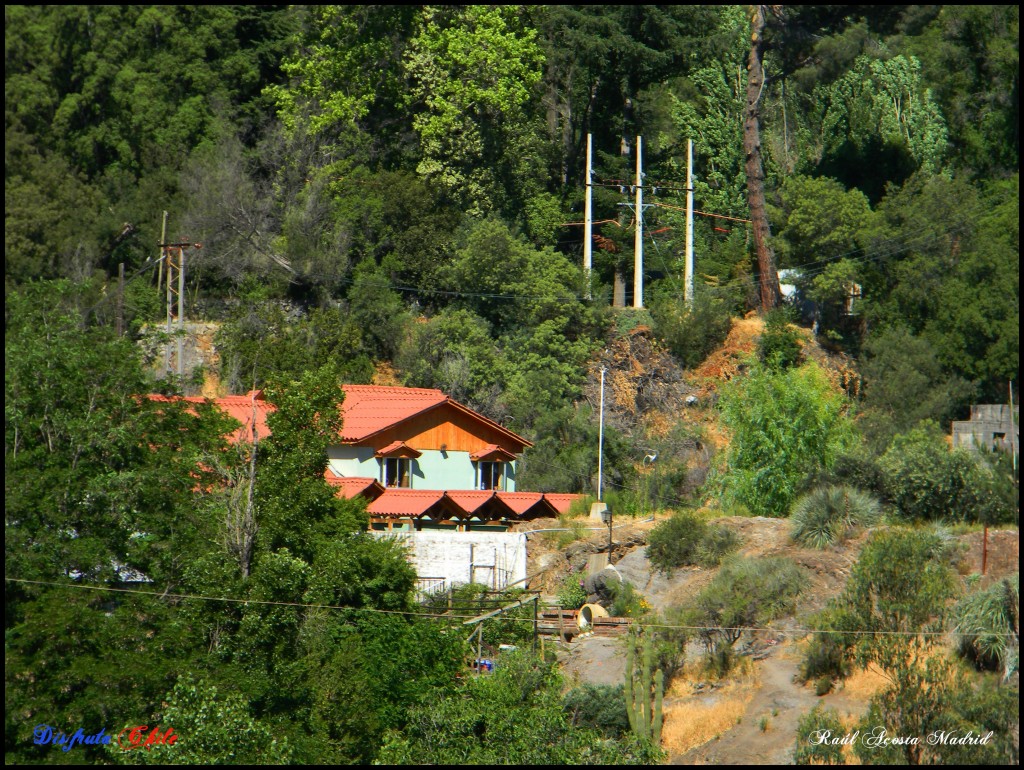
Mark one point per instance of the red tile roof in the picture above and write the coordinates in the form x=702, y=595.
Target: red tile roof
x=405, y=502
x=351, y=486
x=520, y=502
x=397, y=449
x=366, y=410
x=239, y=407
x=493, y=452
x=470, y=500
x=460, y=503
x=561, y=502
x=369, y=409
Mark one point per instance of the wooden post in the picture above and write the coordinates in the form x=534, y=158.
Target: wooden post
x=535, y=600
x=479, y=646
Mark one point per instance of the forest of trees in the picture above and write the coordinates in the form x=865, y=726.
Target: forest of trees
x=402, y=187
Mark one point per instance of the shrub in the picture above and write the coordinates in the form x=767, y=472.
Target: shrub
x=811, y=751
x=571, y=593
x=826, y=656
x=599, y=706
x=692, y=334
x=986, y=626
x=779, y=346
x=685, y=539
x=823, y=686
x=745, y=592
x=827, y=515
x=718, y=541
x=926, y=481
x=674, y=542
x=785, y=425
x=627, y=602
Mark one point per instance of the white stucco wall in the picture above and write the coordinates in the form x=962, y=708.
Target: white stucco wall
x=495, y=559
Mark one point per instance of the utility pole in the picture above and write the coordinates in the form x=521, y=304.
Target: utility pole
x=600, y=440
x=181, y=312
x=638, y=239
x=588, y=223
x=163, y=253
x=688, y=272
x=175, y=259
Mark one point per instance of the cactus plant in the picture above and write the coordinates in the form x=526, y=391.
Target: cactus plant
x=645, y=716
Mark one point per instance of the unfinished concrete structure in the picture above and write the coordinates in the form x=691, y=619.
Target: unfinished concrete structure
x=443, y=560
x=990, y=428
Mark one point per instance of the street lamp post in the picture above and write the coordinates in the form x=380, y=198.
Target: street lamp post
x=606, y=517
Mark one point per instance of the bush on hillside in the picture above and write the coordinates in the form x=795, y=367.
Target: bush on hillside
x=744, y=593
x=986, y=629
x=686, y=540
x=928, y=482
x=828, y=515
x=779, y=346
x=785, y=425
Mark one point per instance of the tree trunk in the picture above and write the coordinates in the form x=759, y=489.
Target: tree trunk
x=768, y=277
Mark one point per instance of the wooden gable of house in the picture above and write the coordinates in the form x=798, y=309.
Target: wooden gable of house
x=446, y=427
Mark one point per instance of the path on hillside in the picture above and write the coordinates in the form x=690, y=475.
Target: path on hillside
x=746, y=743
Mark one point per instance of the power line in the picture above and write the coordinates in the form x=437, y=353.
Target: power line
x=446, y=616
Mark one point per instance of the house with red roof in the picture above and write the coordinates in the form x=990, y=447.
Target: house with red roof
x=421, y=459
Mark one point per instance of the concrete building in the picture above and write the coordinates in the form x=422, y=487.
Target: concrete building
x=989, y=428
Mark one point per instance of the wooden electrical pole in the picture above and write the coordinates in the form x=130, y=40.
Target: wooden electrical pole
x=163, y=253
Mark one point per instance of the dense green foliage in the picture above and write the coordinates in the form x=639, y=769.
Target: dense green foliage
x=786, y=425
x=397, y=191
x=686, y=540
x=811, y=749
x=926, y=481
x=515, y=715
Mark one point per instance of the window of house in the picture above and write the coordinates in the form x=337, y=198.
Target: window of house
x=397, y=472
x=492, y=475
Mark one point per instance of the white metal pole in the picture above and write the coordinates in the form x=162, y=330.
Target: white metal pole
x=638, y=240
x=588, y=222
x=688, y=275
x=600, y=442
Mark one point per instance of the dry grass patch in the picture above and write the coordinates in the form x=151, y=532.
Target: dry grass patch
x=694, y=719
x=863, y=683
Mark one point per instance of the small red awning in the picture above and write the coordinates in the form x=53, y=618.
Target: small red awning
x=493, y=453
x=397, y=449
